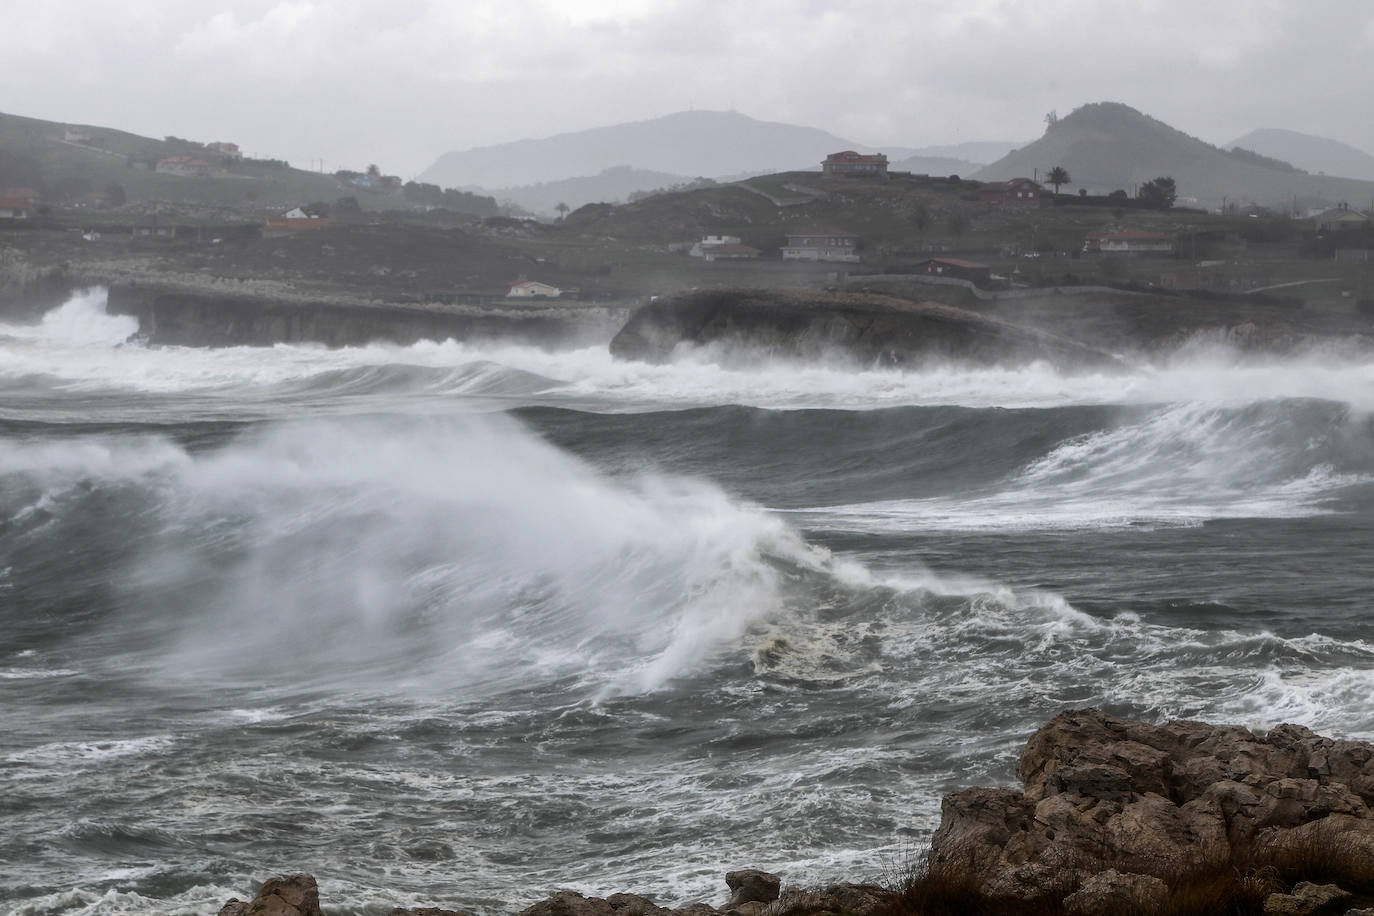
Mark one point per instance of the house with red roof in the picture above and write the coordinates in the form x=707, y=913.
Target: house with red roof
x=850, y=164
x=16, y=206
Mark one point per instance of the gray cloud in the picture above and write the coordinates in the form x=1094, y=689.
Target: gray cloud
x=400, y=81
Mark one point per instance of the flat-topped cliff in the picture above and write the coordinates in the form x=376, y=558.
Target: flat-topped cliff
x=867, y=327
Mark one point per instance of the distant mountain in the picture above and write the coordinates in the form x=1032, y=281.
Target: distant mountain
x=934, y=165
x=980, y=151
x=1107, y=146
x=709, y=144
x=1313, y=154
x=613, y=185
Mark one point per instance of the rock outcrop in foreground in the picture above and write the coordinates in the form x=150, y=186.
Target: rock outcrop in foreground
x=1115, y=817
x=752, y=893
x=811, y=324
x=1111, y=806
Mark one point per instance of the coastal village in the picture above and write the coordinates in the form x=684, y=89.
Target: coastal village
x=210, y=218
x=854, y=216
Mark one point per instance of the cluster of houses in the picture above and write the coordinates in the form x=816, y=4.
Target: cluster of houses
x=813, y=243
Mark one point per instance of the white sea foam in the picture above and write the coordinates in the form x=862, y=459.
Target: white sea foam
x=372, y=540
x=81, y=347
x=79, y=901
x=70, y=753
x=1178, y=466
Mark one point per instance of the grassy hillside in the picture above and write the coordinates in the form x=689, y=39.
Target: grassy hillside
x=1107, y=145
x=103, y=160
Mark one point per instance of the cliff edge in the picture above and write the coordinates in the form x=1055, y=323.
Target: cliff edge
x=866, y=327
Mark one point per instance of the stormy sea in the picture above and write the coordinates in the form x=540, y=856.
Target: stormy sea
x=462, y=624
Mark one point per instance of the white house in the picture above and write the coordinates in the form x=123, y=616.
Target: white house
x=532, y=289
x=184, y=166
x=1131, y=241
x=821, y=245
x=699, y=249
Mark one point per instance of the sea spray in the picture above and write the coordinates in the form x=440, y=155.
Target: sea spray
x=465, y=551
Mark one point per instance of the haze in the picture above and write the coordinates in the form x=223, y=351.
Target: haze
x=342, y=84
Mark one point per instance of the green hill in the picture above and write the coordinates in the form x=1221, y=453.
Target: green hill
x=1107, y=145
x=36, y=154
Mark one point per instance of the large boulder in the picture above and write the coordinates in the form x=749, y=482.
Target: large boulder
x=293, y=895
x=815, y=324
x=749, y=885
x=1101, y=792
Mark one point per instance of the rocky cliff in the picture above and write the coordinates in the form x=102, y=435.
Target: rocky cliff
x=867, y=327
x=188, y=317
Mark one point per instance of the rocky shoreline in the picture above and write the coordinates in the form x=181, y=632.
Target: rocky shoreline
x=1114, y=817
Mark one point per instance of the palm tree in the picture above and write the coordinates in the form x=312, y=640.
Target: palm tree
x=562, y=209
x=1057, y=176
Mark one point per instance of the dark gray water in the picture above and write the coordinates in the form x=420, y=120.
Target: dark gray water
x=462, y=625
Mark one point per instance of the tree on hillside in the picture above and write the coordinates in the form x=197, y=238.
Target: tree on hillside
x=1058, y=176
x=920, y=218
x=562, y=209
x=373, y=171
x=1160, y=192
x=957, y=224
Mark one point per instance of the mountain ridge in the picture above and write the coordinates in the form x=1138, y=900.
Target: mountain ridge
x=1308, y=152
x=1107, y=146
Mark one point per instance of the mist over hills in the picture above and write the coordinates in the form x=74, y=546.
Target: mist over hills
x=1107, y=146
x=611, y=185
x=609, y=163
x=708, y=144
x=1309, y=153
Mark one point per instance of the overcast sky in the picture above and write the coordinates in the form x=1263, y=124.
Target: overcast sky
x=398, y=82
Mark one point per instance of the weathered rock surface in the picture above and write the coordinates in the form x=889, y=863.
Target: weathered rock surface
x=294, y=895
x=220, y=319
x=1106, y=792
x=1112, y=892
x=870, y=328
x=1308, y=899
x=749, y=885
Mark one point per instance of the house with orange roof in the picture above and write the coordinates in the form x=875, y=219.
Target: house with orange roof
x=851, y=164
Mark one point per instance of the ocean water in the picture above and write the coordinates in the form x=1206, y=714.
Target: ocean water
x=464, y=624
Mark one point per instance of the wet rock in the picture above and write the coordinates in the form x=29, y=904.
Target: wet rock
x=695, y=909
x=749, y=885
x=294, y=895
x=569, y=903
x=1308, y=899
x=837, y=900
x=634, y=905
x=1112, y=892
x=1101, y=792
x=808, y=323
